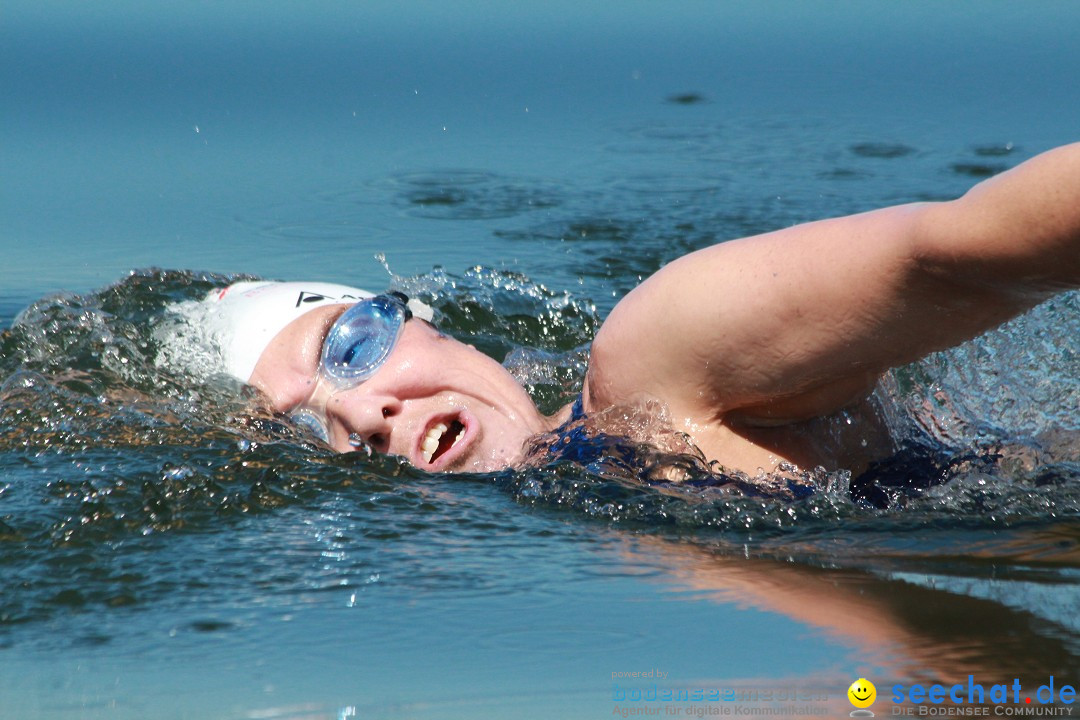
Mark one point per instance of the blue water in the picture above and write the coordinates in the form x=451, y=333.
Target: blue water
x=535, y=162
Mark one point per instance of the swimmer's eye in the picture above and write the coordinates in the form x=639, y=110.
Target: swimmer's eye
x=356, y=349
x=312, y=423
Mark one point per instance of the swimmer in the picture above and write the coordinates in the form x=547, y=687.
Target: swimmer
x=751, y=345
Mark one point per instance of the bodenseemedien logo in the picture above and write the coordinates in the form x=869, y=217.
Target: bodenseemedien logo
x=862, y=694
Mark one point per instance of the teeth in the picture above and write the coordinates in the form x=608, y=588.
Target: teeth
x=434, y=435
x=431, y=440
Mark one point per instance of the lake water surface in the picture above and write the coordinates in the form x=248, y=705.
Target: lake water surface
x=164, y=553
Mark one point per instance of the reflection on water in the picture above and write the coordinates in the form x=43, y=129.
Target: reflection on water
x=471, y=195
x=960, y=618
x=881, y=150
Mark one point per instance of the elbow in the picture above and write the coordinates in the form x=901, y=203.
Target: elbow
x=966, y=244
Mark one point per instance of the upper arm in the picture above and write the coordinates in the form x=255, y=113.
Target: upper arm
x=768, y=322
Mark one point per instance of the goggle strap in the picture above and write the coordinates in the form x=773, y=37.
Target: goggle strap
x=401, y=298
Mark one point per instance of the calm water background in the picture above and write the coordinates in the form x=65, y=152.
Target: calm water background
x=580, y=145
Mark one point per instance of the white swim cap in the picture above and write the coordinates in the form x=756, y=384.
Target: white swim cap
x=245, y=316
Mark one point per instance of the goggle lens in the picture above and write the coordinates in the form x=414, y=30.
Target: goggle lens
x=362, y=338
x=358, y=343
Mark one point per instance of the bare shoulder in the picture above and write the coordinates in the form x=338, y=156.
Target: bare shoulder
x=755, y=320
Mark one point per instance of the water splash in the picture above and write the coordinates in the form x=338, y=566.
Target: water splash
x=101, y=443
x=86, y=373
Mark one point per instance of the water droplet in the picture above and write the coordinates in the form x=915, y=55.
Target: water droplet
x=359, y=443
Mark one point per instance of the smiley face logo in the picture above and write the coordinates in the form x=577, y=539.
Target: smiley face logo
x=862, y=693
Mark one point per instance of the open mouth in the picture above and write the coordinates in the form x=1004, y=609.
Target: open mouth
x=439, y=438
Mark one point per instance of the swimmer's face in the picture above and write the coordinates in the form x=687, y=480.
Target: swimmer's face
x=430, y=381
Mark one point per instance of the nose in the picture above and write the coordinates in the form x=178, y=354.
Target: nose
x=366, y=416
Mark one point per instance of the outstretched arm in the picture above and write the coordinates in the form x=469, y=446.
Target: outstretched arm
x=800, y=322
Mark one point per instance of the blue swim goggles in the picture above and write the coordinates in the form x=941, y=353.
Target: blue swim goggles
x=356, y=346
